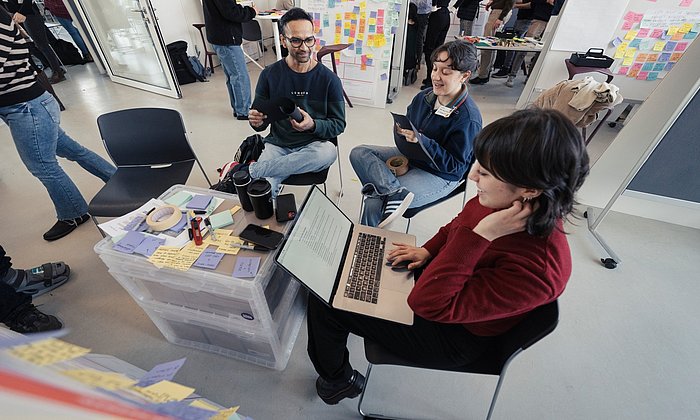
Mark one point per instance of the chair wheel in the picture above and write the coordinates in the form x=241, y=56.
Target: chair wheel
x=609, y=263
x=612, y=124
x=585, y=214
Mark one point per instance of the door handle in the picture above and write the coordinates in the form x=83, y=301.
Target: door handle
x=144, y=14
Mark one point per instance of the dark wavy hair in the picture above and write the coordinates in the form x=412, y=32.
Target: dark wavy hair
x=295, y=13
x=541, y=149
x=462, y=53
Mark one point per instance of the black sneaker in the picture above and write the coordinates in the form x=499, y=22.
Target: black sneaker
x=64, y=227
x=479, y=81
x=333, y=392
x=501, y=74
x=28, y=319
x=396, y=204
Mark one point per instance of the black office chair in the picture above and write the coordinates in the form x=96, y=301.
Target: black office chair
x=535, y=326
x=252, y=32
x=150, y=149
x=316, y=178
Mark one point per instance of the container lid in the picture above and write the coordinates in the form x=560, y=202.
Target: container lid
x=259, y=187
x=241, y=178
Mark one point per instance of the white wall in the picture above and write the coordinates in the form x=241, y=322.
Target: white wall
x=175, y=19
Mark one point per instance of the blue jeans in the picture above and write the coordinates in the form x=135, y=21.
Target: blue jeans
x=73, y=32
x=277, y=163
x=369, y=163
x=38, y=137
x=520, y=28
x=237, y=80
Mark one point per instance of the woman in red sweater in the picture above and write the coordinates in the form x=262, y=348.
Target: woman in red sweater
x=505, y=254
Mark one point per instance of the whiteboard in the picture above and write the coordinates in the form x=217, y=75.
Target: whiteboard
x=594, y=18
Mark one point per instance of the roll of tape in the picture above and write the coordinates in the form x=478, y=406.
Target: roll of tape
x=398, y=165
x=163, y=218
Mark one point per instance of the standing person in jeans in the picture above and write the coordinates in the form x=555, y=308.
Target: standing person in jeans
x=522, y=24
x=467, y=11
x=297, y=147
x=59, y=11
x=424, y=9
x=448, y=119
x=223, y=20
x=33, y=116
x=24, y=12
x=438, y=25
x=500, y=10
x=541, y=12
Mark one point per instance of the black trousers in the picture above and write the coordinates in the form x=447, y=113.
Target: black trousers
x=421, y=29
x=438, y=25
x=9, y=298
x=430, y=343
x=37, y=30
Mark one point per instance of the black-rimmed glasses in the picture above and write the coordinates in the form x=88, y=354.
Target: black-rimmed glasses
x=296, y=42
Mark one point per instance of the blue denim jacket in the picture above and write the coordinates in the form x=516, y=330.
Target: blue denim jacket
x=450, y=141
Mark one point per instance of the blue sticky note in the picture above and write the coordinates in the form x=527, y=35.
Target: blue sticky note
x=690, y=35
x=180, y=225
x=383, y=76
x=648, y=67
x=635, y=43
x=664, y=57
x=138, y=224
x=162, y=372
x=246, y=267
x=149, y=245
x=669, y=66
x=653, y=75
x=670, y=46
x=209, y=259
x=221, y=219
x=199, y=202
x=370, y=61
x=658, y=67
x=129, y=242
x=356, y=9
x=181, y=410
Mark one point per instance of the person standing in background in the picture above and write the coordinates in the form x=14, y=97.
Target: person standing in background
x=59, y=11
x=500, y=11
x=541, y=12
x=421, y=21
x=24, y=12
x=438, y=25
x=284, y=4
x=467, y=11
x=223, y=20
x=522, y=24
x=33, y=116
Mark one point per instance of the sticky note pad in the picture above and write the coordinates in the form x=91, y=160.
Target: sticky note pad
x=179, y=199
x=129, y=242
x=209, y=259
x=648, y=67
x=221, y=219
x=165, y=391
x=659, y=45
x=246, y=267
x=199, y=202
x=161, y=372
x=106, y=380
x=149, y=245
x=48, y=352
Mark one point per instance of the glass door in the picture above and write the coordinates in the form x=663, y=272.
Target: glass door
x=130, y=44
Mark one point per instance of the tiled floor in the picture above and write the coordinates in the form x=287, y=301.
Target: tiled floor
x=625, y=348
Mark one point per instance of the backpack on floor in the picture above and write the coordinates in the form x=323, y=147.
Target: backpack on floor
x=181, y=63
x=250, y=150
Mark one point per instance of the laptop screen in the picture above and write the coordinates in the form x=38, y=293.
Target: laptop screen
x=316, y=245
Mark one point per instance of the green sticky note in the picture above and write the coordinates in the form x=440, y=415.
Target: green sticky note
x=179, y=199
x=221, y=219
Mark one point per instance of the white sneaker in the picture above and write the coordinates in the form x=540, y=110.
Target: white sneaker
x=395, y=207
x=509, y=82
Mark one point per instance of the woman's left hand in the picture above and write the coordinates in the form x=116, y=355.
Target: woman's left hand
x=408, y=133
x=504, y=222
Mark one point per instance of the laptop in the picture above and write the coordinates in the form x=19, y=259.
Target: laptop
x=344, y=264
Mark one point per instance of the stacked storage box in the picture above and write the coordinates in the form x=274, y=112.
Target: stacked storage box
x=252, y=319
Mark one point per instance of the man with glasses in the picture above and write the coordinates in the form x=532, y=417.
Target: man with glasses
x=297, y=147
x=223, y=20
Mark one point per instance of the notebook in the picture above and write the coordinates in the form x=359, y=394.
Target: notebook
x=340, y=262
x=413, y=151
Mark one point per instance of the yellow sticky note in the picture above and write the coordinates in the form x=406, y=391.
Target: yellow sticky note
x=628, y=61
x=223, y=232
x=163, y=256
x=685, y=28
x=226, y=245
x=106, y=380
x=338, y=16
x=631, y=34
x=372, y=21
x=204, y=405
x=224, y=414
x=630, y=52
x=351, y=40
x=363, y=5
x=234, y=209
x=659, y=46
x=620, y=51
x=337, y=39
x=48, y=352
x=164, y=391
x=672, y=30
x=187, y=256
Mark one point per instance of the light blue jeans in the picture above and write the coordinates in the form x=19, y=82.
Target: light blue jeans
x=369, y=163
x=237, y=80
x=277, y=163
x=38, y=137
x=73, y=32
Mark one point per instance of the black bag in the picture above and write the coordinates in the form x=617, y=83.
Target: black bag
x=67, y=52
x=594, y=57
x=248, y=151
x=181, y=63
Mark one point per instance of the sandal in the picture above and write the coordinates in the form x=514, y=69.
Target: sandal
x=42, y=279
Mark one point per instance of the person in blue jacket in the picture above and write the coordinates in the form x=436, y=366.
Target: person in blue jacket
x=447, y=119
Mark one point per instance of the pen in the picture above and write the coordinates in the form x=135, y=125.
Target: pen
x=211, y=229
x=250, y=247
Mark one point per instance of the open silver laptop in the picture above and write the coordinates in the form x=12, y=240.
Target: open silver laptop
x=344, y=264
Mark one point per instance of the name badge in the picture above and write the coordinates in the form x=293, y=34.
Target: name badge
x=444, y=111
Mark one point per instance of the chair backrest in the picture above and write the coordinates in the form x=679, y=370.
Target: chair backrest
x=251, y=31
x=145, y=136
x=327, y=49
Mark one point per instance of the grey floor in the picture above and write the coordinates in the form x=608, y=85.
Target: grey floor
x=626, y=346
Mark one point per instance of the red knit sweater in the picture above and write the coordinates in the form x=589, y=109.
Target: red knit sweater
x=488, y=286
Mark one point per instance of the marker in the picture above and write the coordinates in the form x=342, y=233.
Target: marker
x=250, y=247
x=211, y=229
x=196, y=231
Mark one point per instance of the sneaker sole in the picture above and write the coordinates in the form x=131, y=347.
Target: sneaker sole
x=399, y=211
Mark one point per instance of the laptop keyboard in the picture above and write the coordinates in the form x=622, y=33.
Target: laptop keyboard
x=366, y=268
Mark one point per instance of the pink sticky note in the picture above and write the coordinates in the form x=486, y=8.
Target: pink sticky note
x=642, y=75
x=681, y=46
x=657, y=33
x=627, y=25
x=685, y=3
x=643, y=33
x=629, y=15
x=638, y=17
x=623, y=70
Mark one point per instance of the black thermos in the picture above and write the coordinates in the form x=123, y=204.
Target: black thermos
x=260, y=193
x=241, y=180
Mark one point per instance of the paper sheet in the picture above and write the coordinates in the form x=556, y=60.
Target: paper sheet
x=163, y=371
